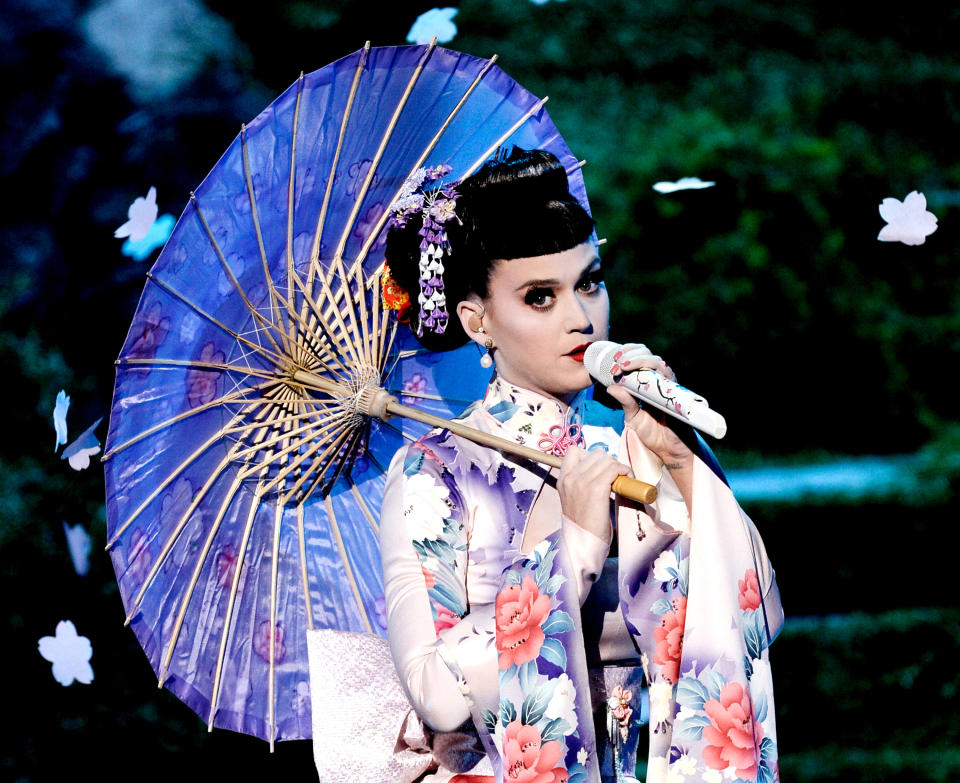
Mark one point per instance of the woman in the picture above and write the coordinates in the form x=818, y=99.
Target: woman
x=487, y=559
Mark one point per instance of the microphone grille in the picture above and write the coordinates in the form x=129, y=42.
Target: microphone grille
x=598, y=359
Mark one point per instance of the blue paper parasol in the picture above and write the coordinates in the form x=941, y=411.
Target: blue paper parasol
x=244, y=479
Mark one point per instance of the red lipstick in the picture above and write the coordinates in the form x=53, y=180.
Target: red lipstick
x=577, y=353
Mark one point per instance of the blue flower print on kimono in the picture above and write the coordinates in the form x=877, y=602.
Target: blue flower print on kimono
x=428, y=507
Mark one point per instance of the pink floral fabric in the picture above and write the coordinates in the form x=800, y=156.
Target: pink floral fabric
x=528, y=759
x=733, y=738
x=669, y=638
x=749, y=597
x=520, y=610
x=702, y=632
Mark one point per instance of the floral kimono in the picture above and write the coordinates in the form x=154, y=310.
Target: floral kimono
x=514, y=681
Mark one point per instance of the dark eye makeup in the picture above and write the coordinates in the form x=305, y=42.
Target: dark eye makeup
x=537, y=297
x=540, y=297
x=591, y=280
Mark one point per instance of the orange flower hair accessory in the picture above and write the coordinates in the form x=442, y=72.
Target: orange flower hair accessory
x=392, y=294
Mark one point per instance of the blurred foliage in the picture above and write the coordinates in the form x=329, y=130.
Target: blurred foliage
x=892, y=722
x=805, y=114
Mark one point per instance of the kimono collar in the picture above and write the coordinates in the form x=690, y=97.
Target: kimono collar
x=533, y=419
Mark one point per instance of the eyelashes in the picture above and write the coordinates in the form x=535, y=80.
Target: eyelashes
x=591, y=281
x=542, y=297
x=538, y=298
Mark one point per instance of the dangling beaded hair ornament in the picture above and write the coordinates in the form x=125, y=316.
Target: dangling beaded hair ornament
x=437, y=204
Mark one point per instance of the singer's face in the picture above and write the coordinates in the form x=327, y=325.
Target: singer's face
x=541, y=313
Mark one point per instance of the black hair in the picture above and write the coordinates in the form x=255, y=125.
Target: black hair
x=517, y=205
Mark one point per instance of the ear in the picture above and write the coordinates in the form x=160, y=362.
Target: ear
x=470, y=312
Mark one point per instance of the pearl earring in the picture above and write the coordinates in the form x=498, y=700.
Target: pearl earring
x=486, y=360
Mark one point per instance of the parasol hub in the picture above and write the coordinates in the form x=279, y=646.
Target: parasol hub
x=374, y=401
x=363, y=394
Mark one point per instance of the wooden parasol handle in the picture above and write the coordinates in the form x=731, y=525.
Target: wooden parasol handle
x=624, y=486
x=378, y=402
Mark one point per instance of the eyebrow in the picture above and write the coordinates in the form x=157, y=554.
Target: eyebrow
x=554, y=281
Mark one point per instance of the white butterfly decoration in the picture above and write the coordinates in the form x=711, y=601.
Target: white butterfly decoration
x=684, y=183
x=80, y=544
x=60, y=418
x=69, y=653
x=141, y=213
x=435, y=23
x=79, y=452
x=907, y=221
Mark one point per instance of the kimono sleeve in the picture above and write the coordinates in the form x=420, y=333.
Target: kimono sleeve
x=423, y=552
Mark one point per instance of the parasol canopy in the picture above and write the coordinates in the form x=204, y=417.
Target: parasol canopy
x=243, y=482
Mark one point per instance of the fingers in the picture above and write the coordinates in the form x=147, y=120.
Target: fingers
x=571, y=458
x=636, y=356
x=629, y=351
x=591, y=466
x=631, y=406
x=584, y=486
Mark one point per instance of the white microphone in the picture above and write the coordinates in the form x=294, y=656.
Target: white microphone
x=654, y=389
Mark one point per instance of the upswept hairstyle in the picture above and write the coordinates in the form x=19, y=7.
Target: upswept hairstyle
x=517, y=205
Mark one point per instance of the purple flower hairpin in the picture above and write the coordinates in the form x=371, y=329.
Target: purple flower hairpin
x=424, y=192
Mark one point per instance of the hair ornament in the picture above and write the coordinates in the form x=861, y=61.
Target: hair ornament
x=393, y=295
x=425, y=193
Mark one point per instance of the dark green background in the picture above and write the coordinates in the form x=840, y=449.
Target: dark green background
x=806, y=115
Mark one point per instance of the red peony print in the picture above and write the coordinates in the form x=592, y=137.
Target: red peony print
x=520, y=610
x=749, y=591
x=202, y=384
x=733, y=738
x=429, y=579
x=669, y=638
x=445, y=618
x=527, y=759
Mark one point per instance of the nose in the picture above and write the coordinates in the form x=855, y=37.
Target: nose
x=578, y=317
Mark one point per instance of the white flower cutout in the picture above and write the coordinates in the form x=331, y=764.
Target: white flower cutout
x=425, y=505
x=661, y=701
x=69, y=653
x=79, y=543
x=563, y=702
x=141, y=214
x=60, y=418
x=156, y=236
x=435, y=23
x=79, y=452
x=907, y=221
x=684, y=183
x=666, y=567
